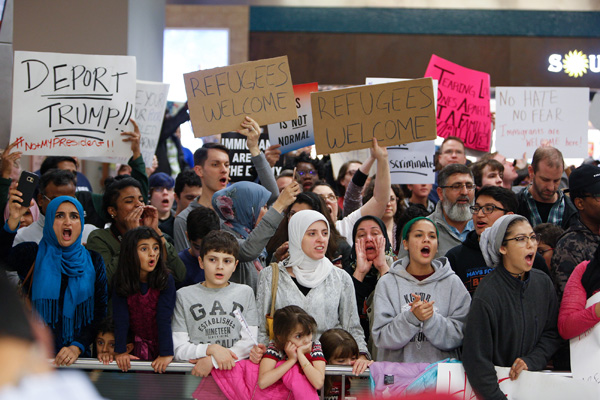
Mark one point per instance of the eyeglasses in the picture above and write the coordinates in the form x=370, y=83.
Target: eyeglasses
x=487, y=209
x=458, y=186
x=594, y=196
x=310, y=172
x=330, y=197
x=521, y=240
x=541, y=252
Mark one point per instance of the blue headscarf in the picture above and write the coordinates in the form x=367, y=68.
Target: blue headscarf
x=239, y=206
x=51, y=263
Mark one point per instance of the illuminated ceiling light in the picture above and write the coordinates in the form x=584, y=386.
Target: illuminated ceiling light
x=575, y=63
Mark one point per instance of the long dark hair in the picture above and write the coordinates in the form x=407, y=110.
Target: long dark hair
x=315, y=202
x=126, y=280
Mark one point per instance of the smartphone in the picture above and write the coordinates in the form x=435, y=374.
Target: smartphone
x=28, y=182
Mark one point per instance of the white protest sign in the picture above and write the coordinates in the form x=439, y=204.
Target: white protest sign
x=530, y=117
x=72, y=104
x=150, y=104
x=298, y=133
x=595, y=111
x=338, y=159
x=452, y=380
x=585, y=351
x=411, y=163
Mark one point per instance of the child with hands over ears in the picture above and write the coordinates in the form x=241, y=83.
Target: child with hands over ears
x=143, y=300
x=293, y=331
x=205, y=329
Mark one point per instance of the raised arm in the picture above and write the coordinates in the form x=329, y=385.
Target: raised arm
x=381, y=192
x=353, y=196
x=251, y=130
x=258, y=238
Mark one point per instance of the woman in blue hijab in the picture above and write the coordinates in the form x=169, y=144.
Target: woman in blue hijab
x=65, y=282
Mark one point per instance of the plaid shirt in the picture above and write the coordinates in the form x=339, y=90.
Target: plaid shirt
x=556, y=213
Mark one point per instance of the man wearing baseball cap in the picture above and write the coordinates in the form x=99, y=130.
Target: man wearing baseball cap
x=580, y=241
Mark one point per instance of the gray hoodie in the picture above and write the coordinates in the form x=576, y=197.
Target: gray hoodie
x=399, y=335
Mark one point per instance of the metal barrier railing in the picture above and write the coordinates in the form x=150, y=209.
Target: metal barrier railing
x=92, y=364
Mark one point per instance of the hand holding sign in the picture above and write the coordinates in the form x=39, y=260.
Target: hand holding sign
x=134, y=139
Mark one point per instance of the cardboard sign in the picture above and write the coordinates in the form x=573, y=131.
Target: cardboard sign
x=530, y=117
x=452, y=380
x=297, y=133
x=394, y=113
x=72, y=104
x=585, y=351
x=463, y=107
x=411, y=163
x=220, y=98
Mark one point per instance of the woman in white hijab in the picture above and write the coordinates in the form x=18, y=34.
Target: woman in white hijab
x=309, y=280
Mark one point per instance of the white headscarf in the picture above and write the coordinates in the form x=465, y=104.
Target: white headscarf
x=309, y=273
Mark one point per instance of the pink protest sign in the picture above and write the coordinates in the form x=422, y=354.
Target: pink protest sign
x=463, y=106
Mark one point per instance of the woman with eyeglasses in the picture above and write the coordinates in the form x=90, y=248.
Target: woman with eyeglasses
x=513, y=315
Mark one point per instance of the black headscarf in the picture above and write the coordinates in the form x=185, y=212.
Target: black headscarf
x=388, y=245
x=591, y=277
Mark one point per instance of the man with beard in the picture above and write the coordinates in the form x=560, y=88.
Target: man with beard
x=542, y=201
x=452, y=214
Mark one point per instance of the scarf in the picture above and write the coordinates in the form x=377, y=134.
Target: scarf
x=35, y=211
x=239, y=206
x=309, y=272
x=491, y=239
x=591, y=277
x=556, y=212
x=378, y=221
x=53, y=261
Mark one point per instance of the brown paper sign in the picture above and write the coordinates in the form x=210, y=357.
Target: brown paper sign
x=394, y=113
x=220, y=98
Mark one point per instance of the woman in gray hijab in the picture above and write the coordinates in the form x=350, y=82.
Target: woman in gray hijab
x=513, y=315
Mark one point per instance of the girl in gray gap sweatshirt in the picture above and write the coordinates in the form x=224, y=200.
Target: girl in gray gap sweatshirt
x=420, y=305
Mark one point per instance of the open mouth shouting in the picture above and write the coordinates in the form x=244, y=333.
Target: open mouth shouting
x=67, y=234
x=223, y=181
x=426, y=251
x=529, y=258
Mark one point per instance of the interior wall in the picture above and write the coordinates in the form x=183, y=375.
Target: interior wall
x=145, y=37
x=71, y=26
x=330, y=58
x=234, y=18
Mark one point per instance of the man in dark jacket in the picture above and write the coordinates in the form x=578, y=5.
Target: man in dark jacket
x=542, y=201
x=466, y=259
x=580, y=241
